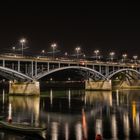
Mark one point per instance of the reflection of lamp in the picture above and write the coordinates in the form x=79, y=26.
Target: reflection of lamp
x=66, y=131
x=78, y=129
x=114, y=127
x=10, y=113
x=84, y=124
x=51, y=97
x=126, y=124
x=3, y=96
x=134, y=111
x=54, y=131
x=98, y=128
x=69, y=98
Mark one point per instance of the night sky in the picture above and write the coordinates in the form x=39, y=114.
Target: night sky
x=104, y=26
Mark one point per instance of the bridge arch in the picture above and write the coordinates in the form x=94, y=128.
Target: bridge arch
x=122, y=70
x=41, y=75
x=12, y=74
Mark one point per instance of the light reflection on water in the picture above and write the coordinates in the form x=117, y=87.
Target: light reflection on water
x=75, y=114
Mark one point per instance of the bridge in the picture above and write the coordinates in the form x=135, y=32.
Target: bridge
x=34, y=69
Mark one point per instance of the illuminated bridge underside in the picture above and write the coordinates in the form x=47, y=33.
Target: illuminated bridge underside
x=91, y=72
x=12, y=74
x=125, y=71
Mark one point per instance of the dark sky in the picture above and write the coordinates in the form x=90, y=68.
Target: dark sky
x=104, y=26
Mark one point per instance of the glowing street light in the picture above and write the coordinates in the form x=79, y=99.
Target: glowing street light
x=66, y=54
x=22, y=41
x=96, y=53
x=53, y=47
x=112, y=55
x=13, y=48
x=77, y=49
x=43, y=52
x=135, y=57
x=84, y=56
x=124, y=56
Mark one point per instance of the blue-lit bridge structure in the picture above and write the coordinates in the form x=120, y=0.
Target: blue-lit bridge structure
x=34, y=68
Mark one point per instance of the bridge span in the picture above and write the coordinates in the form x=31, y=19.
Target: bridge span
x=34, y=69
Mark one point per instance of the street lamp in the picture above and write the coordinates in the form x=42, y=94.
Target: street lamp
x=124, y=56
x=112, y=55
x=66, y=54
x=13, y=48
x=77, y=51
x=135, y=57
x=53, y=47
x=22, y=41
x=84, y=56
x=96, y=53
x=43, y=52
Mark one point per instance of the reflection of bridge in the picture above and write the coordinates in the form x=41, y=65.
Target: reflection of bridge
x=35, y=69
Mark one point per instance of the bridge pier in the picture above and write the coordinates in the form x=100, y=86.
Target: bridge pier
x=24, y=88
x=98, y=85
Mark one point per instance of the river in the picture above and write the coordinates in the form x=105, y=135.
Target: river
x=74, y=114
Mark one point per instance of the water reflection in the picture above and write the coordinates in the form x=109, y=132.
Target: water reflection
x=78, y=131
x=77, y=114
x=51, y=97
x=66, y=131
x=10, y=112
x=54, y=131
x=114, y=126
x=25, y=107
x=69, y=98
x=126, y=124
x=84, y=125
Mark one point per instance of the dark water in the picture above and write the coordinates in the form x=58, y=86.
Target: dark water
x=75, y=115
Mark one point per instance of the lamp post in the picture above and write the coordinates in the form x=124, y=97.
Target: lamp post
x=96, y=53
x=112, y=55
x=84, y=56
x=135, y=57
x=66, y=54
x=13, y=48
x=124, y=57
x=53, y=49
x=43, y=52
x=77, y=51
x=22, y=41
